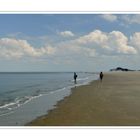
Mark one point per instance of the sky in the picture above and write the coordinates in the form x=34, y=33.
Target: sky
x=69, y=42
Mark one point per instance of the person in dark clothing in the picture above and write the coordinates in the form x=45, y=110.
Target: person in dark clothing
x=75, y=77
x=101, y=76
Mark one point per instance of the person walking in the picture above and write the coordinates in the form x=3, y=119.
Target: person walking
x=101, y=76
x=75, y=77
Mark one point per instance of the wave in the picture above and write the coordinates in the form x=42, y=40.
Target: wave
x=23, y=100
x=11, y=91
x=4, y=114
x=17, y=103
x=20, y=89
x=81, y=79
x=30, y=86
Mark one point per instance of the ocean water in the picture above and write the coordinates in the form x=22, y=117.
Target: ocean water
x=19, y=89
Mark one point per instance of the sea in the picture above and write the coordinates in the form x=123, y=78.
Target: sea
x=25, y=96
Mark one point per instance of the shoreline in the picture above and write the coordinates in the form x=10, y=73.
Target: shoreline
x=114, y=102
x=38, y=106
x=60, y=101
x=27, y=98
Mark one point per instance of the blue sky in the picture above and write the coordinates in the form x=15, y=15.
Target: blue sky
x=69, y=42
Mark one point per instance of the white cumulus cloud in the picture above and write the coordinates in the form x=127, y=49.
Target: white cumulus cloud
x=135, y=40
x=130, y=19
x=114, y=42
x=66, y=34
x=10, y=47
x=93, y=44
x=109, y=17
x=118, y=42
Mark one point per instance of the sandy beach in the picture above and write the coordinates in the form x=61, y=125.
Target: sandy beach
x=113, y=102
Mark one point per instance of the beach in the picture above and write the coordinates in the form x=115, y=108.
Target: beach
x=113, y=102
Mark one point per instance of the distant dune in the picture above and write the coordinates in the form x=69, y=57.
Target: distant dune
x=121, y=69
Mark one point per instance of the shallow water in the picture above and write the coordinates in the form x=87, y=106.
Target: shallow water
x=25, y=96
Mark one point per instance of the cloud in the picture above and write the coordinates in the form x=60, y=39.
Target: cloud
x=114, y=42
x=93, y=44
x=109, y=17
x=135, y=40
x=73, y=50
x=66, y=34
x=97, y=37
x=130, y=19
x=118, y=42
x=18, y=48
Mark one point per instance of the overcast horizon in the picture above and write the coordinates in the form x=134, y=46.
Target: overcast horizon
x=69, y=42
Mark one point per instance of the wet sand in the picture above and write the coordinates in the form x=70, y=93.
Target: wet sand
x=113, y=102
